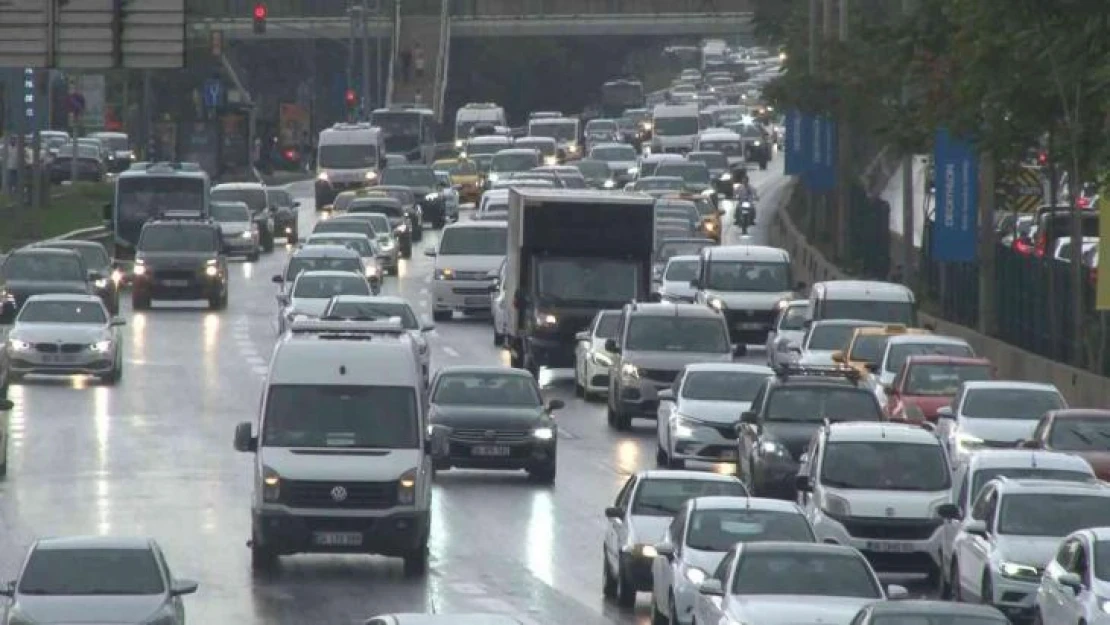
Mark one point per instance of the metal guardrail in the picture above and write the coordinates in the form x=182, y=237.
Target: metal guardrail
x=200, y=9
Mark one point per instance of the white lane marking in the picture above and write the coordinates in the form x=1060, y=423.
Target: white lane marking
x=450, y=351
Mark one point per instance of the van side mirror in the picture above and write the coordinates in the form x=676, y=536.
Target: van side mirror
x=949, y=512
x=117, y=322
x=801, y=483
x=666, y=395
x=838, y=356
x=1072, y=581
x=711, y=588
x=8, y=589
x=666, y=550
x=556, y=404
x=429, y=251
x=945, y=412
x=183, y=587
x=245, y=441
x=277, y=279
x=975, y=527
x=749, y=417
x=582, y=336
x=436, y=444
x=1030, y=444
x=613, y=512
x=612, y=347
x=6, y=405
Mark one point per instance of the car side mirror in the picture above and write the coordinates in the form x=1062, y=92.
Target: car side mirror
x=695, y=284
x=838, y=356
x=277, y=280
x=556, y=404
x=283, y=299
x=1072, y=581
x=748, y=417
x=429, y=251
x=7, y=590
x=945, y=412
x=666, y=395
x=118, y=322
x=614, y=512
x=666, y=550
x=895, y=592
x=427, y=326
x=800, y=286
x=801, y=483
x=245, y=440
x=949, y=512
x=582, y=336
x=183, y=587
x=612, y=347
x=1030, y=444
x=975, y=527
x=655, y=297
x=711, y=588
x=872, y=367
x=296, y=204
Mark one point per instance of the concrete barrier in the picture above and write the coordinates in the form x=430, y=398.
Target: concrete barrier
x=1082, y=388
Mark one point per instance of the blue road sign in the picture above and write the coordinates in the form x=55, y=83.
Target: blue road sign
x=213, y=92
x=822, y=149
x=956, y=228
x=795, y=152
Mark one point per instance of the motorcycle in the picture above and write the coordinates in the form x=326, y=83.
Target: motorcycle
x=745, y=216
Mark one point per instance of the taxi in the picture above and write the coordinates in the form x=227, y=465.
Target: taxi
x=867, y=344
x=343, y=201
x=710, y=224
x=464, y=173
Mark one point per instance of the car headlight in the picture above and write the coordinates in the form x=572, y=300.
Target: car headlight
x=406, y=487
x=836, y=506
x=545, y=319
x=271, y=484
x=609, y=184
x=101, y=283
x=709, y=226
x=716, y=304
x=387, y=245
x=117, y=276
x=601, y=359
x=459, y=143
x=18, y=345
x=572, y=147
x=544, y=434
x=371, y=271
x=1014, y=570
x=371, y=175
x=774, y=448
x=695, y=575
x=551, y=160
x=445, y=274
x=632, y=171
x=211, y=271
x=246, y=234
x=1104, y=605
x=322, y=176
x=967, y=442
x=683, y=427
x=494, y=177
x=630, y=371
x=757, y=143
x=431, y=197
x=140, y=268
x=101, y=346
x=708, y=193
x=726, y=177
x=646, y=551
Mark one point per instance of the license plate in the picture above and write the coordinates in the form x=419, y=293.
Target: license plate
x=490, y=451
x=749, y=326
x=337, y=539
x=476, y=301
x=728, y=454
x=55, y=359
x=890, y=547
x=175, y=283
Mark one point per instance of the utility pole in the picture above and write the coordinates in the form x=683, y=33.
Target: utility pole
x=824, y=215
x=844, y=151
x=351, y=57
x=811, y=205
x=366, y=89
x=909, y=228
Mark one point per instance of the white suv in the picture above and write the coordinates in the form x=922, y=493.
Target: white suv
x=878, y=487
x=343, y=453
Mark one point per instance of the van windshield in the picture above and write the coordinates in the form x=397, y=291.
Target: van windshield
x=348, y=156
x=744, y=276
x=870, y=310
x=306, y=415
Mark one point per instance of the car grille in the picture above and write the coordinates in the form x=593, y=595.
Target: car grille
x=466, y=291
x=471, y=275
x=359, y=495
x=484, y=436
x=48, y=348
x=749, y=316
x=659, y=375
x=890, y=529
x=72, y=348
x=174, y=274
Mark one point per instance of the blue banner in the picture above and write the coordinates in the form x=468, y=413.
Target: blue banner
x=794, y=139
x=822, y=153
x=956, y=225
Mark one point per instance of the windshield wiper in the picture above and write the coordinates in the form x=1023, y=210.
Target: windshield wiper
x=655, y=507
x=841, y=484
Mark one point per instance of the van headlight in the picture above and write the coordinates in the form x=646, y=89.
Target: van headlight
x=246, y=234
x=551, y=160
x=459, y=143
x=445, y=274
x=630, y=371
x=322, y=176
x=371, y=175
x=494, y=176
x=726, y=176
x=140, y=268
x=546, y=319
x=431, y=197
x=117, y=276
x=371, y=271
x=717, y=304
x=757, y=143
x=544, y=434
x=212, y=271
x=609, y=184
x=101, y=283
x=271, y=485
x=406, y=487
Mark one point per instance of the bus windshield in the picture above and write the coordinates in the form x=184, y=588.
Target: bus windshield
x=146, y=197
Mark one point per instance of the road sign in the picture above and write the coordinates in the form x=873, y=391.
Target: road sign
x=797, y=156
x=213, y=92
x=822, y=148
x=91, y=34
x=956, y=227
x=1022, y=189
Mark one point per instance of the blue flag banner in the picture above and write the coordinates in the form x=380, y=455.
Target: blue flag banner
x=956, y=225
x=795, y=152
x=831, y=145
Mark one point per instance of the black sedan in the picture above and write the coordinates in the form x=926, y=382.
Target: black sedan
x=285, y=213
x=90, y=164
x=495, y=418
x=421, y=179
x=97, y=262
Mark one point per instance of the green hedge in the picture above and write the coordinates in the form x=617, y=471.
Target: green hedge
x=69, y=208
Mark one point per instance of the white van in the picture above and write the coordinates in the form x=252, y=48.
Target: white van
x=342, y=453
x=675, y=128
x=475, y=114
x=348, y=156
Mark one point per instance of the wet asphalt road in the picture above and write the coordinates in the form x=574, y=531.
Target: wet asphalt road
x=154, y=457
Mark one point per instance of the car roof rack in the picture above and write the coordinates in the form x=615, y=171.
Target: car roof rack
x=348, y=330
x=183, y=215
x=786, y=371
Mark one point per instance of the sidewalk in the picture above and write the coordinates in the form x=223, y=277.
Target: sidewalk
x=892, y=194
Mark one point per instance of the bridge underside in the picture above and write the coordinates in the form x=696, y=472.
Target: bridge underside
x=339, y=28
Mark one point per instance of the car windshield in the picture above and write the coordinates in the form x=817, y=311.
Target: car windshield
x=227, y=212
x=736, y=386
x=409, y=176
x=942, y=380
x=681, y=270
x=403, y=195
x=486, y=389
x=560, y=131
x=389, y=209
x=255, y=199
x=44, y=267
x=473, y=242
x=348, y=226
x=601, y=125
x=982, y=476
x=794, y=319
x=305, y=415
x=867, y=347
x=1080, y=434
x=719, y=530
x=361, y=245
x=585, y=280
x=727, y=147
x=870, y=310
x=460, y=168
x=712, y=161
x=44, y=311
x=679, y=248
x=657, y=333
x=178, y=239
x=1010, y=403
x=1102, y=560
x=1051, y=514
x=691, y=173
x=514, y=162
x=617, y=153
x=885, y=465
x=301, y=264
x=108, y=571
x=830, y=336
x=804, y=573
x=348, y=156
x=326, y=287
x=117, y=143
x=899, y=352
x=84, y=151
x=547, y=148
x=663, y=497
x=493, y=147
x=93, y=256
x=658, y=184
x=748, y=276
x=608, y=325
x=676, y=126
x=936, y=618
x=815, y=404
x=372, y=311
x=593, y=169
x=279, y=198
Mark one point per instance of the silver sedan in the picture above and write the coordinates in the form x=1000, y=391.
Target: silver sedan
x=63, y=334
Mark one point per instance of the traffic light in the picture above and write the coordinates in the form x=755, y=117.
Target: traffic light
x=260, y=13
x=351, y=98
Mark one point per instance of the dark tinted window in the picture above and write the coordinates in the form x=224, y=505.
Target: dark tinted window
x=91, y=572
x=255, y=199
x=1047, y=514
x=348, y=156
x=354, y=226
x=144, y=197
x=178, y=239
x=227, y=211
x=62, y=312
x=618, y=153
x=1102, y=560
x=878, y=311
x=1081, y=434
x=936, y=619
x=711, y=160
x=301, y=415
x=93, y=256
x=830, y=336
x=719, y=530
x=681, y=270
x=982, y=476
x=513, y=161
x=748, y=276
x=942, y=380
x=280, y=198
x=1010, y=403
x=658, y=333
x=370, y=311
x=883, y=465
x=361, y=246
x=560, y=131
x=899, y=352
x=474, y=242
x=663, y=497
x=739, y=386
x=814, y=404
x=608, y=325
x=795, y=318
x=409, y=176
x=689, y=172
x=486, y=389
x=827, y=574
x=680, y=248
x=323, y=287
x=307, y=263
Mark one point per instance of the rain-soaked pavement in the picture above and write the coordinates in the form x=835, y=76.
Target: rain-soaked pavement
x=153, y=456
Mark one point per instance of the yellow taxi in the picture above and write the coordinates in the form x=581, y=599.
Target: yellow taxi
x=344, y=199
x=710, y=224
x=463, y=173
x=867, y=345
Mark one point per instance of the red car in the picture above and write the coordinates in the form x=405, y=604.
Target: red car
x=927, y=383
x=1084, y=432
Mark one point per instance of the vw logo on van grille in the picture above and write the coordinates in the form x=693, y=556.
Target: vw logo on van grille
x=339, y=494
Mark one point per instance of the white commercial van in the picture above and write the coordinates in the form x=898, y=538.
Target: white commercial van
x=348, y=156
x=675, y=128
x=475, y=114
x=342, y=452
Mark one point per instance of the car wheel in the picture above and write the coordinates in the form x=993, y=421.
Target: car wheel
x=406, y=252
x=115, y=375
x=253, y=257
x=611, y=416
x=442, y=315
x=661, y=459
x=608, y=582
x=215, y=302
x=986, y=594
x=140, y=302
x=954, y=582
x=416, y=562
x=263, y=559
x=544, y=475
x=657, y=617
x=672, y=612
x=626, y=594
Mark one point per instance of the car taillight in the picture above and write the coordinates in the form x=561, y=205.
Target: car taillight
x=290, y=154
x=1083, y=202
x=1022, y=247
x=1041, y=245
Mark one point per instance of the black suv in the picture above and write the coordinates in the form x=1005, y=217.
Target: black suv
x=37, y=270
x=285, y=213
x=425, y=186
x=785, y=414
x=180, y=259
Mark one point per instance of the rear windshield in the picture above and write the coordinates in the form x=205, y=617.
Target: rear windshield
x=1010, y=403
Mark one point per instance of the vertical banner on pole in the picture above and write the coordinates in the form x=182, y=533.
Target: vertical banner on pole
x=793, y=139
x=1102, y=286
x=956, y=229
x=831, y=145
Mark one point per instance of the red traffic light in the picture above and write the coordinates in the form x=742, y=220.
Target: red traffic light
x=260, y=11
x=351, y=97
x=1042, y=158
